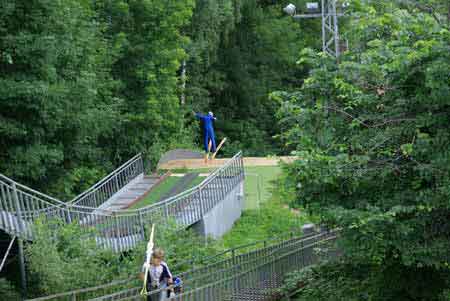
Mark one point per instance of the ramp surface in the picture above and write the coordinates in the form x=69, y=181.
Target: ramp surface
x=131, y=193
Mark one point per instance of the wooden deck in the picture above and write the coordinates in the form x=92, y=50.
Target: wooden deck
x=248, y=161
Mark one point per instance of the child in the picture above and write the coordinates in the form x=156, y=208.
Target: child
x=159, y=276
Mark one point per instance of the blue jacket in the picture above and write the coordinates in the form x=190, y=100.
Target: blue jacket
x=207, y=121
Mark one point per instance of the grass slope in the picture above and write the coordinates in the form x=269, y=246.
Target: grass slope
x=161, y=189
x=274, y=218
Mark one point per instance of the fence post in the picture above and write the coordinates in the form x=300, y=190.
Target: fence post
x=233, y=255
x=74, y=297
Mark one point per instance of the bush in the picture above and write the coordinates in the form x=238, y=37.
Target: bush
x=8, y=291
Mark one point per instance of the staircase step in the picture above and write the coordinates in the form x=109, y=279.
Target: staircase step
x=147, y=181
x=138, y=190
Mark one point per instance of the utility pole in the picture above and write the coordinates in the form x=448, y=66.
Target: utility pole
x=183, y=83
x=330, y=22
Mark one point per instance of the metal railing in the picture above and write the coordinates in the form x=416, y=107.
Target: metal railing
x=261, y=278
x=111, y=184
x=246, y=276
x=119, y=230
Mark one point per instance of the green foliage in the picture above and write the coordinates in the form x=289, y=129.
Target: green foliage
x=8, y=291
x=273, y=219
x=85, y=85
x=147, y=37
x=241, y=51
x=372, y=135
x=70, y=259
x=53, y=76
x=327, y=282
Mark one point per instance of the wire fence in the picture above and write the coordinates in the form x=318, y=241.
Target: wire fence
x=253, y=275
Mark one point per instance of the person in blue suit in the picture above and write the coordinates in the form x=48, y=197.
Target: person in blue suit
x=208, y=131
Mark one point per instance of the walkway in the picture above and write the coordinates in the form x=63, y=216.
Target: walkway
x=131, y=193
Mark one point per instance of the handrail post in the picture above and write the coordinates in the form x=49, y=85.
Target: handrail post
x=166, y=210
x=201, y=201
x=117, y=182
x=18, y=210
x=69, y=210
x=116, y=225
x=142, y=163
x=141, y=223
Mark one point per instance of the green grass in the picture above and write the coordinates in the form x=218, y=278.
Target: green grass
x=265, y=175
x=272, y=220
x=195, y=182
x=161, y=189
x=259, y=184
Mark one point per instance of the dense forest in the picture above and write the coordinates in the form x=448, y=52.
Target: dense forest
x=85, y=85
x=373, y=135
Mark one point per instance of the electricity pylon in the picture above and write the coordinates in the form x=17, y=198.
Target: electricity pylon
x=330, y=28
x=330, y=23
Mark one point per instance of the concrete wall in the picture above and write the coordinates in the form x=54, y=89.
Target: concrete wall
x=221, y=218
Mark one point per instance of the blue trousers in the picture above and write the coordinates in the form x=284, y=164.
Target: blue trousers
x=209, y=136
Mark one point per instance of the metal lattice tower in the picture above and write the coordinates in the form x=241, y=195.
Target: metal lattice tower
x=330, y=28
x=330, y=22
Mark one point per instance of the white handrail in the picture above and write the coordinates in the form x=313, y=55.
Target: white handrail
x=28, y=204
x=114, y=172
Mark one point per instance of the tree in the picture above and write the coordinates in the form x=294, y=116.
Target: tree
x=54, y=104
x=240, y=52
x=372, y=134
x=147, y=38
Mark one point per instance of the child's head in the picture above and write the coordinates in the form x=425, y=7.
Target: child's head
x=157, y=256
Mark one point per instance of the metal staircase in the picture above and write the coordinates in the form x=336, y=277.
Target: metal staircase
x=99, y=208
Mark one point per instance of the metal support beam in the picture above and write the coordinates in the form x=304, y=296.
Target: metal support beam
x=312, y=16
x=7, y=253
x=23, y=277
